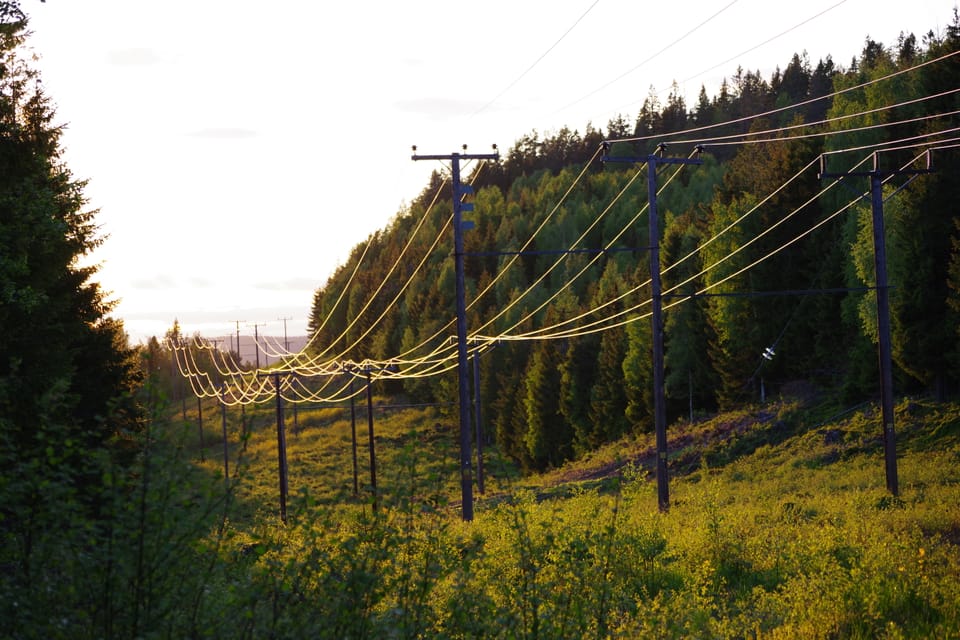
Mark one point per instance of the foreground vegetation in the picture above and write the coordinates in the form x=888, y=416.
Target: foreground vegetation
x=779, y=527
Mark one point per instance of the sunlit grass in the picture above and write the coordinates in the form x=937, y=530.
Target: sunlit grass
x=776, y=528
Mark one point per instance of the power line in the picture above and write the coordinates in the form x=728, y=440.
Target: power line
x=649, y=59
x=767, y=41
x=198, y=382
x=716, y=141
x=537, y=61
x=796, y=105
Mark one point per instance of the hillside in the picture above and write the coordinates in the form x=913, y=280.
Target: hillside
x=766, y=246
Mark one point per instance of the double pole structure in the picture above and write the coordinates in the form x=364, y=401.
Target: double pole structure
x=367, y=371
x=463, y=371
x=659, y=398
x=884, y=340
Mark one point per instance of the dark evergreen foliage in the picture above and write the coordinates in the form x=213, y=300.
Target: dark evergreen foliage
x=69, y=416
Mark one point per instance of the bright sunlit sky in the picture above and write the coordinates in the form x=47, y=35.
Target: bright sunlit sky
x=238, y=150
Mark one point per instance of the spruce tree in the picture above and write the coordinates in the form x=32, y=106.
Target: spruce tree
x=69, y=419
x=63, y=360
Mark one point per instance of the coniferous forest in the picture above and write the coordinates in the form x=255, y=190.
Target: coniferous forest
x=757, y=251
x=138, y=492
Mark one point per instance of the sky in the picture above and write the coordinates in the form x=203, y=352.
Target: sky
x=236, y=151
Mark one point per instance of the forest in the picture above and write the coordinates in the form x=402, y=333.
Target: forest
x=118, y=518
x=758, y=252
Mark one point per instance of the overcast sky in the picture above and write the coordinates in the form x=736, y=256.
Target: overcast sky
x=238, y=150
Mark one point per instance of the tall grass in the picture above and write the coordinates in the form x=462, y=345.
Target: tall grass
x=780, y=529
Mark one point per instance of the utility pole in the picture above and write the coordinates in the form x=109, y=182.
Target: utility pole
x=239, y=357
x=243, y=406
x=476, y=416
x=281, y=446
x=373, y=457
x=656, y=321
x=353, y=439
x=200, y=425
x=200, y=413
x=367, y=371
x=459, y=207
x=281, y=450
x=477, y=413
x=286, y=344
x=256, y=342
x=223, y=421
x=286, y=347
x=884, y=339
x=180, y=385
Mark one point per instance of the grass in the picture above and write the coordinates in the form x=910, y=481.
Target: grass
x=780, y=526
x=777, y=528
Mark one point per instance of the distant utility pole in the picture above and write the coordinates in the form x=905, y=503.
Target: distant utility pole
x=656, y=321
x=200, y=426
x=256, y=341
x=223, y=423
x=286, y=347
x=884, y=340
x=480, y=346
x=281, y=450
x=243, y=407
x=281, y=444
x=200, y=412
x=353, y=439
x=239, y=357
x=367, y=371
x=476, y=416
x=459, y=191
x=175, y=360
x=286, y=344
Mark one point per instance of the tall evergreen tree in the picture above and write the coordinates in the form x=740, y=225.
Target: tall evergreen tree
x=68, y=412
x=608, y=397
x=548, y=438
x=62, y=360
x=688, y=377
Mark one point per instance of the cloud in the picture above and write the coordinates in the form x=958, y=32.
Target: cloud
x=440, y=108
x=155, y=282
x=292, y=284
x=223, y=133
x=133, y=57
x=166, y=282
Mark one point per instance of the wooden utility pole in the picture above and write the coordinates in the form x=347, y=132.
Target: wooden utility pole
x=367, y=371
x=223, y=421
x=459, y=207
x=884, y=339
x=353, y=439
x=478, y=428
x=256, y=343
x=286, y=347
x=659, y=400
x=281, y=449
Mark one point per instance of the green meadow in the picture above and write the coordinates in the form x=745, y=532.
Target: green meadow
x=779, y=526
